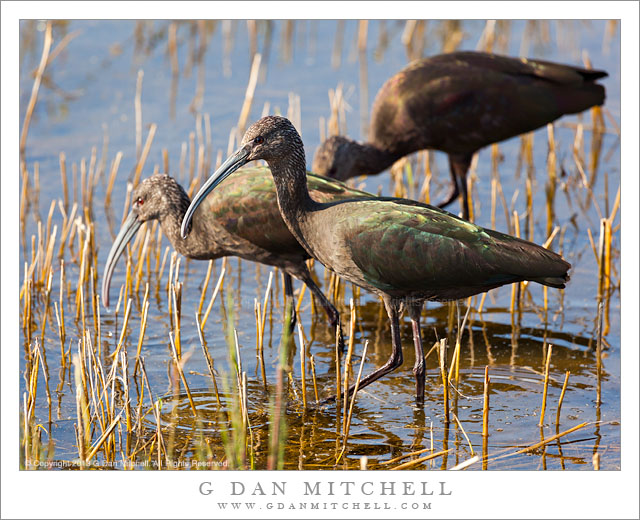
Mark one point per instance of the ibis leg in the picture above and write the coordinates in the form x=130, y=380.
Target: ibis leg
x=415, y=309
x=396, y=350
x=290, y=302
x=458, y=168
x=332, y=312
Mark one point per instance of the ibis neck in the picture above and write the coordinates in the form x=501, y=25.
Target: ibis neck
x=368, y=159
x=294, y=201
x=196, y=245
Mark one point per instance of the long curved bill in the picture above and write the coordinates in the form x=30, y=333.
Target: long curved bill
x=235, y=161
x=129, y=228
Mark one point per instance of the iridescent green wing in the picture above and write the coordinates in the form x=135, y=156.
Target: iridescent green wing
x=413, y=247
x=246, y=205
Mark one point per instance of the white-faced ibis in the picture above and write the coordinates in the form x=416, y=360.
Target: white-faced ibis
x=404, y=251
x=241, y=220
x=459, y=103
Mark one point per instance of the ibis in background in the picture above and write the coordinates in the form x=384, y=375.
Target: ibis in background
x=459, y=103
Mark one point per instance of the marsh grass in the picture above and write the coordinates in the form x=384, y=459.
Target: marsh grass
x=122, y=417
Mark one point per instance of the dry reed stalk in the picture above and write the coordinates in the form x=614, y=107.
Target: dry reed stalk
x=41, y=354
x=127, y=201
x=213, y=297
x=515, y=286
x=485, y=405
x=98, y=444
x=47, y=267
x=39, y=258
x=82, y=412
x=115, y=164
x=24, y=191
x=158, y=248
x=34, y=257
x=249, y=93
x=546, y=385
x=599, y=354
x=442, y=354
x=123, y=332
x=529, y=199
x=353, y=397
x=241, y=382
x=32, y=370
x=141, y=257
x=464, y=433
x=164, y=261
x=466, y=463
x=199, y=177
x=548, y=440
x=66, y=228
x=267, y=293
x=60, y=333
x=564, y=389
x=278, y=430
x=604, y=229
x=294, y=111
x=91, y=177
x=208, y=359
x=165, y=161
x=488, y=37
x=143, y=327
x=425, y=190
x=48, y=237
x=412, y=463
x=137, y=104
x=145, y=152
x=83, y=182
x=183, y=159
x=259, y=352
x=156, y=412
x=176, y=294
x=46, y=47
x=470, y=181
x=206, y=284
x=94, y=296
x=347, y=363
x=179, y=365
x=406, y=455
x=313, y=375
x=455, y=361
x=303, y=371
x=300, y=296
x=98, y=370
x=172, y=264
x=47, y=294
x=124, y=365
x=338, y=382
x=593, y=246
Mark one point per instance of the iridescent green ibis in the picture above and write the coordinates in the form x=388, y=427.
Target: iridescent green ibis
x=242, y=219
x=459, y=103
x=404, y=251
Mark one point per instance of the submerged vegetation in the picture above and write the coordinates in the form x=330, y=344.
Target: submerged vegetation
x=186, y=371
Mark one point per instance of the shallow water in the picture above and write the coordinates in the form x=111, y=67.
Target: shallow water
x=89, y=93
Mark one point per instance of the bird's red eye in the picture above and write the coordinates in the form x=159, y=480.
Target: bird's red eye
x=259, y=140
x=139, y=201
